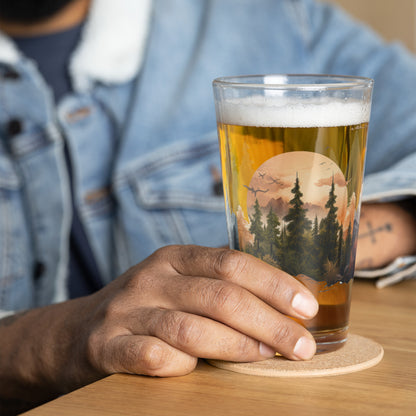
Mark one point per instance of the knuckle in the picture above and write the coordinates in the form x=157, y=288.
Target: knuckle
x=276, y=287
x=283, y=335
x=181, y=329
x=112, y=310
x=164, y=252
x=189, y=333
x=175, y=257
x=140, y=282
x=227, y=298
x=150, y=356
x=229, y=263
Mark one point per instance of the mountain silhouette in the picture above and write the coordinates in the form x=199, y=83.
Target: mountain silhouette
x=281, y=207
x=278, y=206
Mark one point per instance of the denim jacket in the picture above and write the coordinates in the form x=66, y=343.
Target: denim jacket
x=141, y=130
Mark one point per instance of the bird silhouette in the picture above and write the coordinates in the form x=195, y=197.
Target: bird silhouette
x=256, y=190
x=275, y=181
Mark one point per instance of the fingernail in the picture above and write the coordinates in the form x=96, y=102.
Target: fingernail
x=305, y=348
x=266, y=351
x=305, y=305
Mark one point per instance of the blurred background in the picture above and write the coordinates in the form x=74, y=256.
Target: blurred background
x=395, y=20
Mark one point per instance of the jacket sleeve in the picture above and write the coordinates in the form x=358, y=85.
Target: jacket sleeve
x=335, y=43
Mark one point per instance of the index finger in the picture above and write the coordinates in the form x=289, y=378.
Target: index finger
x=272, y=285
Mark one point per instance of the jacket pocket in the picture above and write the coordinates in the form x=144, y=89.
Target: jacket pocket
x=172, y=197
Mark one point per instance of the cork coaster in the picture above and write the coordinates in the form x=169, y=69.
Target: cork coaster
x=358, y=353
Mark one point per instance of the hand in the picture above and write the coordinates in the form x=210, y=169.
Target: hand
x=386, y=232
x=181, y=303
x=185, y=302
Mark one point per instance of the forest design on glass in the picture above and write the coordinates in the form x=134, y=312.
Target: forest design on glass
x=300, y=218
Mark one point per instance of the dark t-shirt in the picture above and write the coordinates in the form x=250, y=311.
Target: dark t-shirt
x=52, y=53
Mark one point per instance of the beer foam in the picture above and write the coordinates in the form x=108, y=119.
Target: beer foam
x=272, y=111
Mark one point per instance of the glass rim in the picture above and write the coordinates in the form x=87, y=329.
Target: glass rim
x=329, y=82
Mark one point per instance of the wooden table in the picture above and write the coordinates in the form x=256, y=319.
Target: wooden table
x=387, y=316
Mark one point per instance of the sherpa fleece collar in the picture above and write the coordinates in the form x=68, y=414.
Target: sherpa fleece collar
x=112, y=45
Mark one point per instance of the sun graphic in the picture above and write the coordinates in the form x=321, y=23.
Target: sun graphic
x=273, y=181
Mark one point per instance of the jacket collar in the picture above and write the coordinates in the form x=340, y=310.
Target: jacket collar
x=112, y=45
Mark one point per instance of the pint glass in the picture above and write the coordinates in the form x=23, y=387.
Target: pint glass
x=293, y=152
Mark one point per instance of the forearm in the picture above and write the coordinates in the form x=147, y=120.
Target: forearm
x=387, y=231
x=41, y=354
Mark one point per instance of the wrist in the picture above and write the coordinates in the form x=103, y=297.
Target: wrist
x=67, y=349
x=43, y=352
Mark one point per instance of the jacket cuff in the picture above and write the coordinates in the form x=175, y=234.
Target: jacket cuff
x=398, y=270
x=393, y=184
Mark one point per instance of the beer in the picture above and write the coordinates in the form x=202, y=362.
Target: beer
x=292, y=174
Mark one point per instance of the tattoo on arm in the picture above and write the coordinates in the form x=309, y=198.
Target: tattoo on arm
x=372, y=232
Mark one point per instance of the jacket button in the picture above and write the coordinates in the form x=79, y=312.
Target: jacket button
x=11, y=74
x=38, y=270
x=14, y=127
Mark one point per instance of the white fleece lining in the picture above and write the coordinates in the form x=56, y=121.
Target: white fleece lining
x=3, y=313
x=113, y=42
x=112, y=45
x=9, y=54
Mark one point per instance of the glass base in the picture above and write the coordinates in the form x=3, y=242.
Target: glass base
x=327, y=341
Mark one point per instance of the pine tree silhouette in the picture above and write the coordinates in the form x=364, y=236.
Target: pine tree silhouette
x=272, y=233
x=297, y=225
x=256, y=227
x=329, y=229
